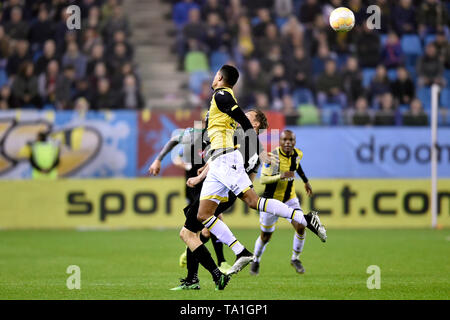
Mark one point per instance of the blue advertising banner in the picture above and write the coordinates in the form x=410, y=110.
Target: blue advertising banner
x=371, y=152
x=95, y=144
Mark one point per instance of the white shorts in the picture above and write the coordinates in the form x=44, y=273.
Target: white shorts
x=226, y=172
x=268, y=220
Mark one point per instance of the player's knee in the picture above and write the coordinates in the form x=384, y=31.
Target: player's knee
x=252, y=202
x=206, y=233
x=265, y=236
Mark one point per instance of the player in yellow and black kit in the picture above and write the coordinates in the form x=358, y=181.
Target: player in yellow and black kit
x=280, y=185
x=227, y=172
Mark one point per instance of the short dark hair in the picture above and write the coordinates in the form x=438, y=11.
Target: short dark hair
x=261, y=118
x=230, y=74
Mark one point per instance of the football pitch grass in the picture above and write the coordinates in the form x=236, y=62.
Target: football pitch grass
x=143, y=264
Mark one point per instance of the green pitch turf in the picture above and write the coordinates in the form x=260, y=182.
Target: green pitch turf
x=415, y=264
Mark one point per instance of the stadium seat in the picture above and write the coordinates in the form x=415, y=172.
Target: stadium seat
x=368, y=74
x=412, y=48
x=444, y=100
x=318, y=65
x=403, y=107
x=392, y=74
x=196, y=61
x=447, y=76
x=330, y=114
x=424, y=95
x=429, y=38
x=3, y=77
x=218, y=59
x=280, y=22
x=196, y=80
x=302, y=95
x=383, y=39
x=309, y=115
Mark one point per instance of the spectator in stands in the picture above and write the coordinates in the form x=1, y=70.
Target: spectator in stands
x=415, y=116
x=24, y=88
x=74, y=57
x=118, y=58
x=64, y=87
x=271, y=38
x=195, y=28
x=359, y=10
x=17, y=29
x=289, y=110
x=6, y=98
x=119, y=75
x=430, y=68
x=308, y=12
x=392, y=54
x=404, y=20
x=330, y=86
x=262, y=101
x=93, y=20
x=245, y=43
x=118, y=21
x=213, y=6
x=352, y=80
x=100, y=72
x=4, y=45
x=385, y=116
x=47, y=82
x=300, y=69
x=81, y=105
x=361, y=115
x=323, y=55
x=379, y=85
x=367, y=47
x=403, y=87
x=181, y=12
x=442, y=45
x=104, y=98
x=264, y=19
x=96, y=56
x=82, y=90
x=107, y=8
x=42, y=29
x=49, y=54
x=385, y=15
x=279, y=85
x=214, y=32
x=20, y=54
x=255, y=80
x=90, y=39
x=432, y=16
x=273, y=57
x=131, y=98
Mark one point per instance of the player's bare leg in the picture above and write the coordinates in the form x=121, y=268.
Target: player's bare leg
x=260, y=246
x=297, y=247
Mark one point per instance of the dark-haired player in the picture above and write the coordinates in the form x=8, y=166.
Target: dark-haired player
x=192, y=225
x=280, y=184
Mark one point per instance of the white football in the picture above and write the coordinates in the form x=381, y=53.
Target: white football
x=342, y=19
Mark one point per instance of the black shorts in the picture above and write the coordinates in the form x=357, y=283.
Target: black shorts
x=192, y=224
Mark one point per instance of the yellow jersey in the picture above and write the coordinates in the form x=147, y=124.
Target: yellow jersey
x=220, y=125
x=282, y=190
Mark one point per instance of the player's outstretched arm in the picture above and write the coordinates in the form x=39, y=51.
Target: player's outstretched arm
x=192, y=182
x=155, y=167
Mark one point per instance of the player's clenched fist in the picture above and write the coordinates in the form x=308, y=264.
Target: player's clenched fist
x=155, y=168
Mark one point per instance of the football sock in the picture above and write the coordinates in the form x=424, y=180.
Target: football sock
x=192, y=265
x=223, y=233
x=280, y=209
x=218, y=248
x=204, y=257
x=297, y=246
x=260, y=246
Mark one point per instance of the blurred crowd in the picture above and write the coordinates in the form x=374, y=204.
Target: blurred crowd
x=291, y=61
x=45, y=65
